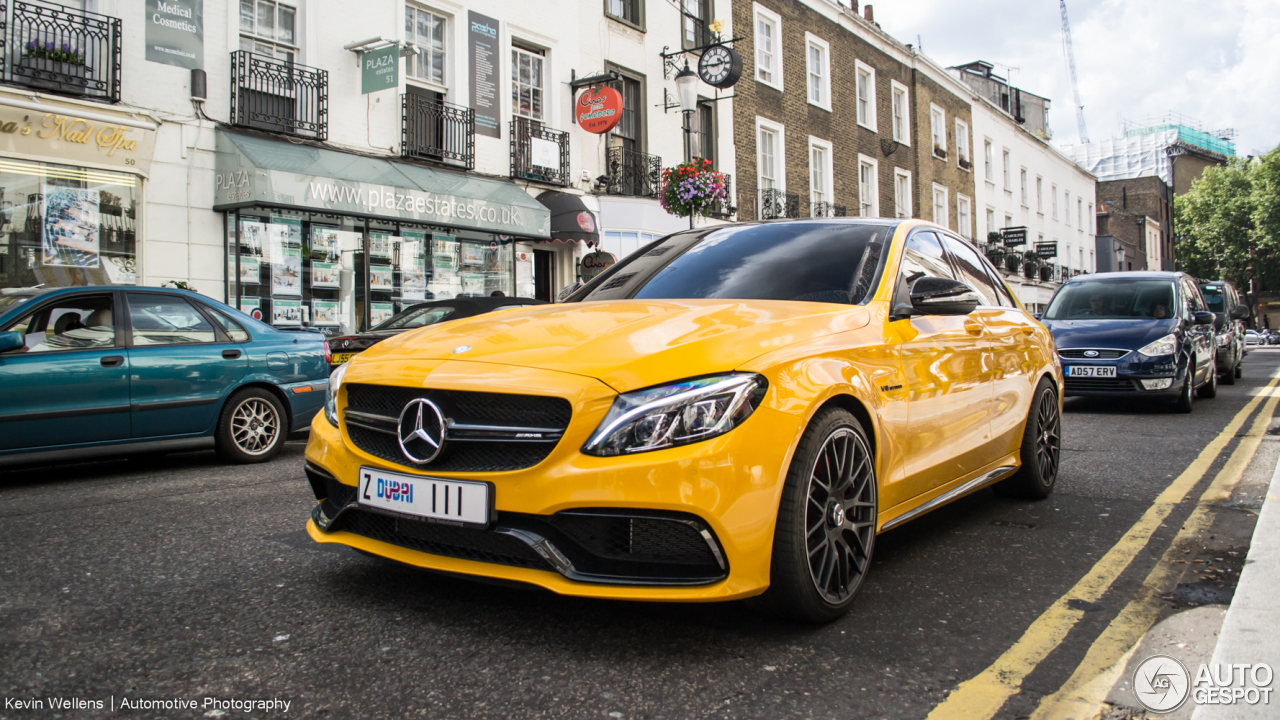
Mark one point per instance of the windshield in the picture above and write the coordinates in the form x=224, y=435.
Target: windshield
x=1213, y=296
x=1120, y=299
x=416, y=318
x=833, y=262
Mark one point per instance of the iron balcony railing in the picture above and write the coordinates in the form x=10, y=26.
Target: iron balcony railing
x=776, y=203
x=633, y=173
x=60, y=50
x=828, y=209
x=436, y=130
x=285, y=97
x=538, y=152
x=725, y=208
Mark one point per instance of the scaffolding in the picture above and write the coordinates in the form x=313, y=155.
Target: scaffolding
x=1146, y=148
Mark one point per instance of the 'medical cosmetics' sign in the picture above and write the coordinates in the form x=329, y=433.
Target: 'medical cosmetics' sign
x=175, y=32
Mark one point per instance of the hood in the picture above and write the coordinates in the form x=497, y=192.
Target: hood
x=1118, y=334
x=626, y=344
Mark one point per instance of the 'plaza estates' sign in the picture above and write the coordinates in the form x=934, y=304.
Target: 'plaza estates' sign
x=175, y=32
x=483, y=34
x=380, y=69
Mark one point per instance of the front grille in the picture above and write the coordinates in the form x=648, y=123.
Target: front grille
x=436, y=539
x=1078, y=354
x=466, y=408
x=636, y=538
x=1099, y=385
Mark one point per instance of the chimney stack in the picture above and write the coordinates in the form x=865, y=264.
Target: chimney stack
x=866, y=13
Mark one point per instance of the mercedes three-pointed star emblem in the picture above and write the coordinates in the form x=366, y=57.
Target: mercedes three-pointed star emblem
x=421, y=431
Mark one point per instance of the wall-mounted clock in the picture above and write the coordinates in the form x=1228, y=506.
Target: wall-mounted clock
x=720, y=66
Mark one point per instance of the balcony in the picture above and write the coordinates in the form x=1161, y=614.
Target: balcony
x=725, y=208
x=539, y=153
x=60, y=50
x=633, y=173
x=827, y=209
x=269, y=94
x=435, y=130
x=776, y=203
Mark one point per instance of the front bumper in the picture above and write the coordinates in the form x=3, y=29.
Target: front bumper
x=688, y=523
x=1128, y=379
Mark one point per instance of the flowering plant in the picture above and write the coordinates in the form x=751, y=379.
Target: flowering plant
x=692, y=188
x=53, y=51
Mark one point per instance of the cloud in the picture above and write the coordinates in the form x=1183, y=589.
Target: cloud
x=1218, y=63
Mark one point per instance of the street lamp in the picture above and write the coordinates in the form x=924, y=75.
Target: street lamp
x=687, y=91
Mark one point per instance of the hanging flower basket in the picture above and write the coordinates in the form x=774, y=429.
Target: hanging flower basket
x=692, y=188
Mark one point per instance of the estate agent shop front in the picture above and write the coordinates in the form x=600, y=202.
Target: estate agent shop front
x=339, y=241
x=71, y=181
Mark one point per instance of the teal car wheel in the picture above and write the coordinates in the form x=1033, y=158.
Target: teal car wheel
x=251, y=428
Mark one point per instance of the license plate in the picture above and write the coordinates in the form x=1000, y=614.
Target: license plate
x=453, y=501
x=339, y=358
x=1091, y=371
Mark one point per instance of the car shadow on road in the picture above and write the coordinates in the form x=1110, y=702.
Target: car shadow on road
x=130, y=467
x=1117, y=406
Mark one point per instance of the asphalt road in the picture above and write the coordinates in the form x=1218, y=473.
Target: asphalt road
x=182, y=578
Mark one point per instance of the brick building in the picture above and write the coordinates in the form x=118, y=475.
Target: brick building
x=833, y=116
x=1138, y=202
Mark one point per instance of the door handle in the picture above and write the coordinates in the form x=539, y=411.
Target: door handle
x=230, y=354
x=112, y=361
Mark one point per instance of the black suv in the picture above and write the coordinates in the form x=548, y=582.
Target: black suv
x=1228, y=311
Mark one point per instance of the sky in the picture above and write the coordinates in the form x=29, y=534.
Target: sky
x=1216, y=62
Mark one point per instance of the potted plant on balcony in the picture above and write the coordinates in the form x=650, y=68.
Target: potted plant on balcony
x=57, y=66
x=692, y=188
x=1030, y=264
x=1046, y=272
x=1012, y=262
x=965, y=164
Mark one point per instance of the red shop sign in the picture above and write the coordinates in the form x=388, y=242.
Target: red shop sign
x=599, y=109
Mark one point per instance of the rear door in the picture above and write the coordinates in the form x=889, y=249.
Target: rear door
x=182, y=366
x=69, y=383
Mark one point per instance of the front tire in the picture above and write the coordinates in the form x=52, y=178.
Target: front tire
x=1240, y=367
x=251, y=428
x=826, y=529
x=1041, y=448
x=1183, y=403
x=1209, y=390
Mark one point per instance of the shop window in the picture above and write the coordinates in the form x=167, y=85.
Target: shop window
x=63, y=226
x=427, y=30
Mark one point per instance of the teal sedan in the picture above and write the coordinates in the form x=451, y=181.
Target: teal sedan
x=97, y=371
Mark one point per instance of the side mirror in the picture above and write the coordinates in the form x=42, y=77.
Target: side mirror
x=1203, y=318
x=942, y=296
x=568, y=290
x=1240, y=312
x=1036, y=315
x=11, y=340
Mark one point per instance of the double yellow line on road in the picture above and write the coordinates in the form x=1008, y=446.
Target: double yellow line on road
x=983, y=695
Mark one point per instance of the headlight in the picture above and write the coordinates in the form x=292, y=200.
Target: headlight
x=1164, y=346
x=331, y=402
x=677, y=414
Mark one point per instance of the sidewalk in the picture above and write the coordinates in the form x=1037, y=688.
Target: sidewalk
x=1251, y=632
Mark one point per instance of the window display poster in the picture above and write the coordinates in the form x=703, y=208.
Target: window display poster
x=379, y=245
x=324, y=312
x=325, y=275
x=252, y=307
x=324, y=242
x=290, y=230
x=120, y=270
x=286, y=272
x=286, y=312
x=381, y=312
x=71, y=224
x=380, y=279
x=414, y=283
x=444, y=252
x=250, y=271
x=472, y=284
x=472, y=254
x=253, y=236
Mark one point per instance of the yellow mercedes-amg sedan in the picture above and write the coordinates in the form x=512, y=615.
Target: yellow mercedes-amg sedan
x=729, y=412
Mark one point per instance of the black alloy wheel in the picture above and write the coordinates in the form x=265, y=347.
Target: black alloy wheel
x=1041, y=451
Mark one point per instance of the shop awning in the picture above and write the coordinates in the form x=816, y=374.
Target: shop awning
x=254, y=170
x=570, y=218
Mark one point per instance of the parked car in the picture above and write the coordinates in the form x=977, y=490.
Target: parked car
x=93, y=371
x=1272, y=337
x=1253, y=337
x=1229, y=312
x=1135, y=334
x=728, y=412
x=340, y=349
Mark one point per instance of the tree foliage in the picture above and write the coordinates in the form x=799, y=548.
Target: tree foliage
x=1228, y=224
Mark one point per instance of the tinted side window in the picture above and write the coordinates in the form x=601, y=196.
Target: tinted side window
x=972, y=271
x=70, y=324
x=167, y=320
x=922, y=257
x=232, y=328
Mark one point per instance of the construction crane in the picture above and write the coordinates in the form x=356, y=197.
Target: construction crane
x=1071, y=65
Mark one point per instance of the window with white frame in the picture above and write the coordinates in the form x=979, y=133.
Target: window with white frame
x=901, y=193
x=991, y=219
x=1079, y=214
x=819, y=71
x=526, y=83
x=964, y=216
x=768, y=47
x=901, y=113
x=938, y=130
x=427, y=30
x=868, y=187
x=1053, y=200
x=1092, y=219
x=1081, y=265
x=988, y=161
x=962, y=144
x=1066, y=207
x=1008, y=220
x=1039, y=194
x=820, y=175
x=1023, y=179
x=770, y=162
x=268, y=28
x=940, y=205
x=1008, y=177
x=865, y=88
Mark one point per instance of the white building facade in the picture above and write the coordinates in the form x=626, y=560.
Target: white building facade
x=1022, y=181
x=279, y=193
